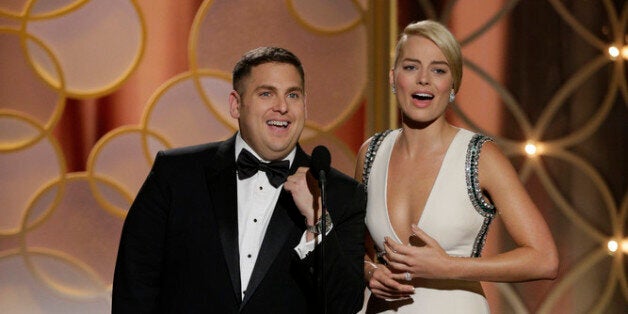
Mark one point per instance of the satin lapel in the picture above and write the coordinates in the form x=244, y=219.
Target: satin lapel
x=280, y=228
x=221, y=182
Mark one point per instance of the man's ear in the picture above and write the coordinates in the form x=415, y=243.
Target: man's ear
x=234, y=104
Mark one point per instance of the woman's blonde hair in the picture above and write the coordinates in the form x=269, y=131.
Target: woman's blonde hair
x=443, y=39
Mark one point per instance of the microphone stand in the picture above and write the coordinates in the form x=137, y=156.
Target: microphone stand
x=321, y=161
x=321, y=183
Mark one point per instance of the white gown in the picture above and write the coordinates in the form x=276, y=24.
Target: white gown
x=455, y=215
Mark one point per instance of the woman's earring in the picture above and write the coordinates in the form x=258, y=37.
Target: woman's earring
x=452, y=96
x=393, y=89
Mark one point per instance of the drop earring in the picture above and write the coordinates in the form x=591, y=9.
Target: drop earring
x=393, y=89
x=452, y=96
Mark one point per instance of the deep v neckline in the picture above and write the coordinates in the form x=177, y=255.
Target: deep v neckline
x=429, y=196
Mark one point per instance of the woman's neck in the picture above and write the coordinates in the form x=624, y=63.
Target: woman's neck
x=425, y=140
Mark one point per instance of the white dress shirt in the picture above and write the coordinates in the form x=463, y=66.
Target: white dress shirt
x=256, y=202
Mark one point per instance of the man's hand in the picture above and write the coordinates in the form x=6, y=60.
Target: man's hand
x=306, y=194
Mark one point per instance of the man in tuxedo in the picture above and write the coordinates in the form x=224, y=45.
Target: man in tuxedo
x=218, y=228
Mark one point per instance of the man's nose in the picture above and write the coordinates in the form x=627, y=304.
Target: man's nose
x=281, y=105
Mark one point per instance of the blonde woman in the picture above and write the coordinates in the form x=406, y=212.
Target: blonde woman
x=433, y=190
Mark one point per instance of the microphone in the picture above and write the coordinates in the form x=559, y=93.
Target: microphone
x=321, y=161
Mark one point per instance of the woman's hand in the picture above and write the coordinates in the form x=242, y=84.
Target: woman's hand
x=409, y=261
x=384, y=286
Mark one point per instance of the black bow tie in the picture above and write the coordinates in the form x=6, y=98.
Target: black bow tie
x=248, y=165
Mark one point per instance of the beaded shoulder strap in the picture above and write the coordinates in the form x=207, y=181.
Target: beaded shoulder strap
x=481, y=205
x=376, y=140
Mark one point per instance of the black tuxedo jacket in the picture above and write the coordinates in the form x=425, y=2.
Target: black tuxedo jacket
x=179, y=246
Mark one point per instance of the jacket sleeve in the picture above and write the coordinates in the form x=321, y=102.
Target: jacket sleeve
x=137, y=274
x=343, y=256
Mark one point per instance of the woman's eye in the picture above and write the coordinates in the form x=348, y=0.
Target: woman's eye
x=409, y=67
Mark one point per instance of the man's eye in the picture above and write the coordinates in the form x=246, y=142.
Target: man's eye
x=264, y=94
x=294, y=95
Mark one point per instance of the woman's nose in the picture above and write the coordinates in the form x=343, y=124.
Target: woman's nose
x=422, y=79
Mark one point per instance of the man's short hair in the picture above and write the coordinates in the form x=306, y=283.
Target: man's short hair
x=259, y=56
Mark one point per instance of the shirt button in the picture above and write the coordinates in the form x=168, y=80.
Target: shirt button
x=254, y=220
x=261, y=188
x=249, y=256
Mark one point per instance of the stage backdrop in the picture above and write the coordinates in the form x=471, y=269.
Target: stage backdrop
x=90, y=90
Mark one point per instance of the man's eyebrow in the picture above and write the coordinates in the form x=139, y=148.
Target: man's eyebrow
x=274, y=88
x=296, y=89
x=270, y=87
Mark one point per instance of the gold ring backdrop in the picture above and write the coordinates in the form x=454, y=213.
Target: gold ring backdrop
x=60, y=226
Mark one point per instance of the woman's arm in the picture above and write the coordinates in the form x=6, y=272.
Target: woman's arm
x=535, y=256
x=378, y=277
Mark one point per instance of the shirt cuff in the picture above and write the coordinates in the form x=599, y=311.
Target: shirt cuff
x=305, y=247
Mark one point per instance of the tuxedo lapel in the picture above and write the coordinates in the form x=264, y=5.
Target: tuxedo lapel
x=279, y=230
x=221, y=182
